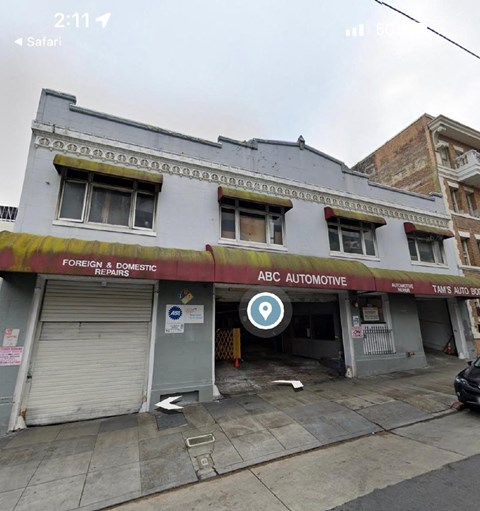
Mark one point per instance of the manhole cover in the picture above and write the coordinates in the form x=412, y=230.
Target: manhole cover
x=195, y=441
x=166, y=421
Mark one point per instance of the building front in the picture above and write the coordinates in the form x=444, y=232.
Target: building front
x=135, y=246
x=438, y=154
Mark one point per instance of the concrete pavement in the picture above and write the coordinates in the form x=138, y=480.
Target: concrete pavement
x=336, y=475
x=94, y=464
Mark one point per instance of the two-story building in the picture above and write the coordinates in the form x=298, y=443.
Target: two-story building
x=134, y=245
x=438, y=154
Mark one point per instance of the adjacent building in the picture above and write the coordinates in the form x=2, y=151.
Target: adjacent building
x=438, y=154
x=133, y=247
x=7, y=217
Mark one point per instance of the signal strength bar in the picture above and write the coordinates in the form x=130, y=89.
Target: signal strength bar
x=358, y=31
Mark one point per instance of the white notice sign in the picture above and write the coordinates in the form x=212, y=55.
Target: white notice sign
x=370, y=314
x=172, y=328
x=357, y=332
x=193, y=313
x=177, y=315
x=10, y=336
x=10, y=356
x=174, y=319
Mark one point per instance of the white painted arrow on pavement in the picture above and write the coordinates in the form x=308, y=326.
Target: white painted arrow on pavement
x=167, y=403
x=296, y=384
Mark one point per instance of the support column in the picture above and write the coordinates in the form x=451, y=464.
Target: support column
x=346, y=323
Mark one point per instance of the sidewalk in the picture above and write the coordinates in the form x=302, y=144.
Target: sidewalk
x=93, y=464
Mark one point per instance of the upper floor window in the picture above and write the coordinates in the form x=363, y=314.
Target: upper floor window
x=91, y=198
x=454, y=197
x=444, y=156
x=352, y=236
x=252, y=222
x=470, y=198
x=426, y=249
x=465, y=252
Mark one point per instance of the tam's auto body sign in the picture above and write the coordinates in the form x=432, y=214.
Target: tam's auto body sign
x=427, y=288
x=456, y=290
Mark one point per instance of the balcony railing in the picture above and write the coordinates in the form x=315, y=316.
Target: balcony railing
x=8, y=213
x=468, y=165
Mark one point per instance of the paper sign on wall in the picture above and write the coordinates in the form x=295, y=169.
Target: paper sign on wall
x=177, y=315
x=10, y=355
x=10, y=336
x=174, y=319
x=171, y=328
x=370, y=313
x=193, y=313
x=357, y=332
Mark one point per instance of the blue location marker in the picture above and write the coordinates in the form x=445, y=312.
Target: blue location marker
x=265, y=311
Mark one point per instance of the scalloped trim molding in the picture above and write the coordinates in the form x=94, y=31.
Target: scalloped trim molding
x=149, y=160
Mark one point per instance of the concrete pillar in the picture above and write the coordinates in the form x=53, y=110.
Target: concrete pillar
x=346, y=323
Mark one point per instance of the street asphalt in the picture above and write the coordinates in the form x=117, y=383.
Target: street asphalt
x=453, y=487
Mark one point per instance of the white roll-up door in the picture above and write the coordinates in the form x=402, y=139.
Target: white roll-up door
x=91, y=353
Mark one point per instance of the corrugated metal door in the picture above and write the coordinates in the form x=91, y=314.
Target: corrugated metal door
x=91, y=354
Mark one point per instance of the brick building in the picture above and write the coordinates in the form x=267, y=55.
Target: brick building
x=438, y=154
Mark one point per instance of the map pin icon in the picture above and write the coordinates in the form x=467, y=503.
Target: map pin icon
x=265, y=310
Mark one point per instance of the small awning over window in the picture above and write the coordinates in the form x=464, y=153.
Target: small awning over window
x=330, y=213
x=233, y=265
x=60, y=161
x=260, y=198
x=420, y=283
x=27, y=253
x=426, y=230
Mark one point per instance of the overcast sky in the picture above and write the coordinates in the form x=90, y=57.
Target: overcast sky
x=242, y=69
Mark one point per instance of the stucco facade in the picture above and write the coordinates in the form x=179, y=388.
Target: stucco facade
x=201, y=222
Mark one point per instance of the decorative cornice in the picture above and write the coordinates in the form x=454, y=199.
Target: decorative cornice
x=103, y=150
x=447, y=172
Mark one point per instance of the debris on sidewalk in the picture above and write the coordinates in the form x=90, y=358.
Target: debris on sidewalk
x=457, y=405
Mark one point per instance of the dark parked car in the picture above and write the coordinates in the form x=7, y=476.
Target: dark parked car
x=467, y=384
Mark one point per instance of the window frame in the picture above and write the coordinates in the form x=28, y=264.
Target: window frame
x=435, y=241
x=465, y=253
x=257, y=210
x=454, y=197
x=91, y=185
x=362, y=227
x=470, y=200
x=444, y=156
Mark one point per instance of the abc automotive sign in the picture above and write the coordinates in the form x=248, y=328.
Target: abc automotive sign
x=303, y=279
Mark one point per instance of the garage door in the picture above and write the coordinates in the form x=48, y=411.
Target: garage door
x=90, y=358
x=434, y=323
